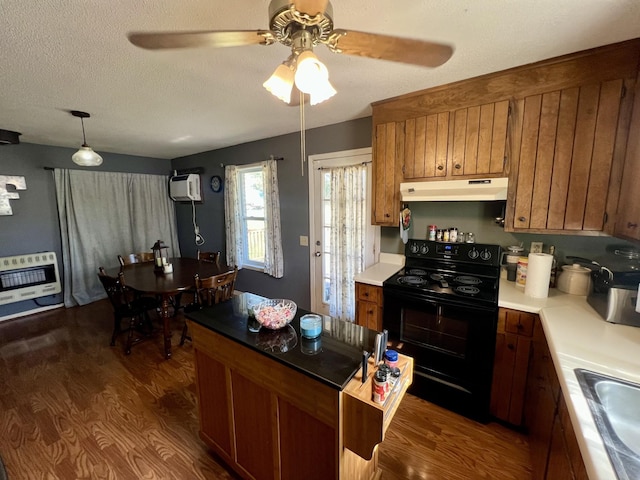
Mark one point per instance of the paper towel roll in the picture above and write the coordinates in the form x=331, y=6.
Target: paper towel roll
x=538, y=273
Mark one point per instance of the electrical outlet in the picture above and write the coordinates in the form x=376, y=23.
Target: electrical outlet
x=536, y=247
x=304, y=241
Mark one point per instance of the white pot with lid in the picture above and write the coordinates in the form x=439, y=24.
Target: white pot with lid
x=575, y=279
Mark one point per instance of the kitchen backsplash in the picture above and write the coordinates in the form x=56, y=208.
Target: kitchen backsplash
x=479, y=218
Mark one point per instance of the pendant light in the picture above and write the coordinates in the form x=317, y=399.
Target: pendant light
x=85, y=156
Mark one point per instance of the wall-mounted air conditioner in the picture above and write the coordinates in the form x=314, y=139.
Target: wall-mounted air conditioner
x=185, y=188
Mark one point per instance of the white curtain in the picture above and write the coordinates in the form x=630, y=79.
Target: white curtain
x=274, y=259
x=104, y=214
x=347, y=237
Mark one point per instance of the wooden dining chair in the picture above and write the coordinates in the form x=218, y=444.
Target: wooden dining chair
x=209, y=256
x=135, y=258
x=126, y=305
x=209, y=291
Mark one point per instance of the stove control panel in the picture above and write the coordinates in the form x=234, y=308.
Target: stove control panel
x=464, y=252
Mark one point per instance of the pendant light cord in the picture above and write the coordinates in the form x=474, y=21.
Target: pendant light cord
x=303, y=140
x=84, y=138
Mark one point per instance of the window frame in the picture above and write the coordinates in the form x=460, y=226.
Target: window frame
x=241, y=171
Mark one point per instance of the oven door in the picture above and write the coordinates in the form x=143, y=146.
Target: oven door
x=452, y=343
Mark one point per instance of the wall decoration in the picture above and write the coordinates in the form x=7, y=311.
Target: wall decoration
x=17, y=181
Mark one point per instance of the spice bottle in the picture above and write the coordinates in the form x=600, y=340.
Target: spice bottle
x=453, y=234
x=379, y=387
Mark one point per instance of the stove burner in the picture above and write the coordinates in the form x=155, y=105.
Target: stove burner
x=411, y=280
x=467, y=280
x=467, y=290
x=417, y=271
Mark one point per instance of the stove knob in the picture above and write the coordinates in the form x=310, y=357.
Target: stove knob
x=473, y=253
x=414, y=248
x=485, y=255
x=424, y=248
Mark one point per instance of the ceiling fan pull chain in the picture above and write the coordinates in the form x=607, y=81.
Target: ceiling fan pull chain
x=303, y=140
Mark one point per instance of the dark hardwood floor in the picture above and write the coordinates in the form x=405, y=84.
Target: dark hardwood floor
x=72, y=407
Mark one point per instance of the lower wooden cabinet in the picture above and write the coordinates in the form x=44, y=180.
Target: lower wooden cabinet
x=552, y=441
x=511, y=365
x=369, y=306
x=269, y=421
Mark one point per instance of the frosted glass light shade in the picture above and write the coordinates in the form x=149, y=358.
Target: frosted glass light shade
x=310, y=72
x=86, y=157
x=321, y=93
x=280, y=83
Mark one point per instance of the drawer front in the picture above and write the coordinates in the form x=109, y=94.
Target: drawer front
x=369, y=293
x=519, y=323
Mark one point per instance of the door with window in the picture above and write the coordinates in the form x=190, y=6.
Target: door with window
x=321, y=221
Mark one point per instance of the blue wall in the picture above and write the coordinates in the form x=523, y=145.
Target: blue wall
x=34, y=226
x=294, y=202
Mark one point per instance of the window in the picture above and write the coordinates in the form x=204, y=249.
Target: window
x=252, y=217
x=251, y=188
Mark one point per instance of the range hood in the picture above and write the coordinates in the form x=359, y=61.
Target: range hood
x=481, y=189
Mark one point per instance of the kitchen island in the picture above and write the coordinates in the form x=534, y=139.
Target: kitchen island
x=275, y=405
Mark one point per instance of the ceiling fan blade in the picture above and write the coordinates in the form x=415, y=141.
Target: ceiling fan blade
x=385, y=47
x=213, y=38
x=311, y=7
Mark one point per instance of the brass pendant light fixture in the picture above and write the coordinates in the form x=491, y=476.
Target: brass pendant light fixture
x=85, y=156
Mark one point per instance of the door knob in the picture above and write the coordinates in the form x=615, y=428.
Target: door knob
x=318, y=254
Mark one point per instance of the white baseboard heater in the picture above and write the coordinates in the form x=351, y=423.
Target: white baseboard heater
x=23, y=277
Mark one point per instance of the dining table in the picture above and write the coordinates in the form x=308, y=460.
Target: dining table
x=143, y=278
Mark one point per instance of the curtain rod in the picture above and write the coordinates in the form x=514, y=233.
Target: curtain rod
x=271, y=157
x=329, y=168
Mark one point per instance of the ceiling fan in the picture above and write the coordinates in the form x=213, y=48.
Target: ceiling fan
x=301, y=25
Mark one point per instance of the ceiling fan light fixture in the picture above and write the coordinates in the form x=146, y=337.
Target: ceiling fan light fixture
x=323, y=92
x=85, y=156
x=310, y=72
x=280, y=83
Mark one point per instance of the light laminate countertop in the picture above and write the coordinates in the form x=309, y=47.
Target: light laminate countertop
x=579, y=338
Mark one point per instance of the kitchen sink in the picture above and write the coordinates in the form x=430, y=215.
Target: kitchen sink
x=615, y=406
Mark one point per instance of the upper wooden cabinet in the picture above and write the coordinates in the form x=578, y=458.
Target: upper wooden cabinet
x=559, y=129
x=388, y=142
x=466, y=142
x=628, y=219
x=571, y=149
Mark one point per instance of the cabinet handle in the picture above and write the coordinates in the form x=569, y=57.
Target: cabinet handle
x=632, y=225
x=521, y=219
x=440, y=167
x=511, y=346
x=457, y=166
x=366, y=294
x=387, y=215
x=519, y=326
x=370, y=312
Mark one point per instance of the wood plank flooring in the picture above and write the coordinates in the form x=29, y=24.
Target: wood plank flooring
x=72, y=407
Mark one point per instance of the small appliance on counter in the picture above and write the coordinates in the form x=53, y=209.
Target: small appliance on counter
x=616, y=279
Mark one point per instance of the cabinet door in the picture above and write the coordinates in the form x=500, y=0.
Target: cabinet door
x=387, y=173
x=566, y=156
x=465, y=142
x=426, y=146
x=479, y=140
x=368, y=314
x=256, y=425
x=558, y=465
x=213, y=402
x=511, y=365
x=628, y=216
x=541, y=402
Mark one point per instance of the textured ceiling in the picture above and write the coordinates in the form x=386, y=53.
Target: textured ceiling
x=60, y=55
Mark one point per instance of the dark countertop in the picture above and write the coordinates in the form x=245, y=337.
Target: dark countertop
x=332, y=359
